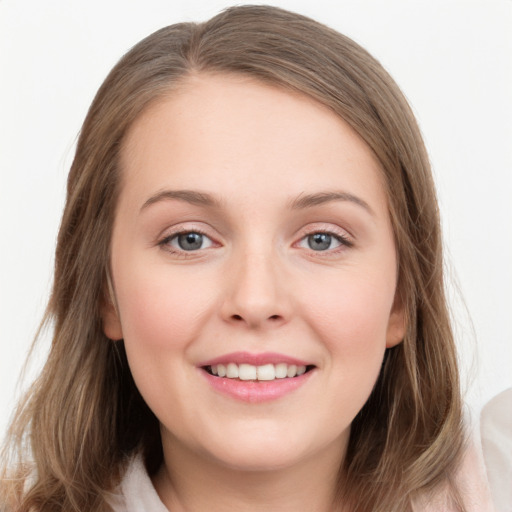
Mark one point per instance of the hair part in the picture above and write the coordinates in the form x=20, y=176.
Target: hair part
x=83, y=417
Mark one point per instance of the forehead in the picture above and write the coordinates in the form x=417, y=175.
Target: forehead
x=230, y=133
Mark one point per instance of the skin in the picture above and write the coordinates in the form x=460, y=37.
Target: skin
x=255, y=285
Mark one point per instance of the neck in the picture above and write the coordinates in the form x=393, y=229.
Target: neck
x=190, y=482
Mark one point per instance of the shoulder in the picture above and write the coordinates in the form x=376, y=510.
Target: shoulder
x=496, y=432
x=136, y=492
x=496, y=416
x=470, y=481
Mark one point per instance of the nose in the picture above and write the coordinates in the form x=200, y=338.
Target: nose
x=256, y=292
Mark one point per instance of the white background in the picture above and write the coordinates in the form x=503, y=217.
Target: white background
x=453, y=59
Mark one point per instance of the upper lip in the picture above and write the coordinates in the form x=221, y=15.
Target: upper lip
x=254, y=359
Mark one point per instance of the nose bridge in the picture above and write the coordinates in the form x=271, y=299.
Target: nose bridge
x=256, y=295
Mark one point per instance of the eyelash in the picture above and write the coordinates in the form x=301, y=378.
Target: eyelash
x=165, y=242
x=343, y=240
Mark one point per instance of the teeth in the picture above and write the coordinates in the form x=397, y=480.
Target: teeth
x=292, y=371
x=246, y=371
x=281, y=370
x=266, y=372
x=251, y=372
x=232, y=371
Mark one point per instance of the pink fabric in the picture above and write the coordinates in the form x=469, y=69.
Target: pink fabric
x=496, y=432
x=472, y=482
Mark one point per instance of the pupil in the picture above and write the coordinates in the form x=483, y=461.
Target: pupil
x=319, y=241
x=190, y=241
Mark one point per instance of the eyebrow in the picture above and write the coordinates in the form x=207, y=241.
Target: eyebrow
x=303, y=201
x=309, y=200
x=188, y=196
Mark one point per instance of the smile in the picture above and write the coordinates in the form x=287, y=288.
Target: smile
x=254, y=378
x=266, y=372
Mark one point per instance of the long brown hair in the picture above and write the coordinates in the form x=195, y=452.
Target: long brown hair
x=83, y=417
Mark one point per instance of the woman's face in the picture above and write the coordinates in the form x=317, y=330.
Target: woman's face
x=252, y=238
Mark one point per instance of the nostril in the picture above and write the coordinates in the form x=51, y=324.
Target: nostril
x=254, y=321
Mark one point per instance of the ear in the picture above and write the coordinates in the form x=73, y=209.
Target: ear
x=109, y=312
x=397, y=324
x=111, y=323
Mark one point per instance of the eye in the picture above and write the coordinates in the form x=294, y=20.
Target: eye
x=188, y=241
x=323, y=241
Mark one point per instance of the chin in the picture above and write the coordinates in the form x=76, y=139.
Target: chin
x=259, y=460
x=259, y=449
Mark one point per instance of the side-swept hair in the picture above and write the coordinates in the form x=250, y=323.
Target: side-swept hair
x=83, y=417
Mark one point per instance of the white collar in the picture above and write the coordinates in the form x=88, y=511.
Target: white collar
x=137, y=491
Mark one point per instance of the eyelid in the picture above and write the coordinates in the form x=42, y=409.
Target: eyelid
x=174, y=241
x=343, y=236
x=163, y=240
x=345, y=239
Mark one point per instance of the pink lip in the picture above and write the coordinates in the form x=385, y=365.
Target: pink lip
x=254, y=359
x=256, y=391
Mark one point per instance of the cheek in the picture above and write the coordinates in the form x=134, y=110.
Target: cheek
x=354, y=304
x=160, y=311
x=161, y=317
x=351, y=316
x=351, y=322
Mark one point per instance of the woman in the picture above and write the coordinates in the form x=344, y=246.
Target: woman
x=248, y=298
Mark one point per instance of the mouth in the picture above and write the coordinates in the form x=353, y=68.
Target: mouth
x=265, y=372
x=257, y=378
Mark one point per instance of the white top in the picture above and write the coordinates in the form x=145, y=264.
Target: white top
x=137, y=493
x=496, y=432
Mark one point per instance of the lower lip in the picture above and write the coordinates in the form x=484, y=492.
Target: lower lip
x=256, y=391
